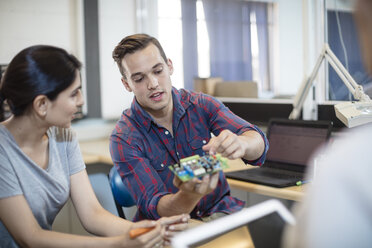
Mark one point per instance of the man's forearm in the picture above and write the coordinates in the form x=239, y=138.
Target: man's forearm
x=179, y=203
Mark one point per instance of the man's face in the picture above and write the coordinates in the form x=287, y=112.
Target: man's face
x=148, y=77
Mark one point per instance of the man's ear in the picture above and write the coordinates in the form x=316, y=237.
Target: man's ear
x=126, y=85
x=170, y=66
x=40, y=105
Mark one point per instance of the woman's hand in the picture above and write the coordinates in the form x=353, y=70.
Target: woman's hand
x=152, y=238
x=172, y=225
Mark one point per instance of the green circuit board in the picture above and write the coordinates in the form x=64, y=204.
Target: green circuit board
x=198, y=166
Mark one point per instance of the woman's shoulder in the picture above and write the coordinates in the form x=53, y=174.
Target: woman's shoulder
x=5, y=136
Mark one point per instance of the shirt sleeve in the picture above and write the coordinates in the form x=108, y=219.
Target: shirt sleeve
x=9, y=184
x=221, y=118
x=138, y=174
x=75, y=158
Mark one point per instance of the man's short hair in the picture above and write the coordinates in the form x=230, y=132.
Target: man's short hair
x=132, y=44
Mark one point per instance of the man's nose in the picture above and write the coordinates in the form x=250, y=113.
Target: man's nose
x=153, y=82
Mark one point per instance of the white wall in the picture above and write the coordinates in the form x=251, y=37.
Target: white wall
x=24, y=23
x=117, y=19
x=60, y=22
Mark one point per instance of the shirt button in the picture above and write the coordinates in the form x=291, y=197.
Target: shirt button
x=198, y=212
x=178, y=154
x=162, y=165
x=166, y=132
x=204, y=142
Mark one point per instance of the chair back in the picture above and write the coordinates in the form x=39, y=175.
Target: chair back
x=119, y=190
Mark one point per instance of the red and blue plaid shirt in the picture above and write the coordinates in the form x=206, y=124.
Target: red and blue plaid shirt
x=142, y=150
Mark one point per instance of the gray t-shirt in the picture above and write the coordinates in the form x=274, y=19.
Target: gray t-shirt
x=46, y=191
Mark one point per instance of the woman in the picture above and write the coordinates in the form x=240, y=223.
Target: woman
x=41, y=164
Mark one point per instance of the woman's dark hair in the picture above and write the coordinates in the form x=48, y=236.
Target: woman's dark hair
x=36, y=70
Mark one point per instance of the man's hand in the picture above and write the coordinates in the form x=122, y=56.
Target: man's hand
x=250, y=145
x=228, y=144
x=196, y=186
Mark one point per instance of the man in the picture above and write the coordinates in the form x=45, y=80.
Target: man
x=165, y=125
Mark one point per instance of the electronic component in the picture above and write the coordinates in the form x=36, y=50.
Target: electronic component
x=198, y=166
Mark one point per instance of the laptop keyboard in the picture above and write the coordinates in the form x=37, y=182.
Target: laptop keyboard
x=275, y=173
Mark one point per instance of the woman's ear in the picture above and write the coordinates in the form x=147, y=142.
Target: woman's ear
x=40, y=105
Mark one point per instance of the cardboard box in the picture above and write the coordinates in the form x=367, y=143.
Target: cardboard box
x=206, y=85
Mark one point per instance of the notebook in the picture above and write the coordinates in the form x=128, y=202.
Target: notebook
x=265, y=222
x=292, y=143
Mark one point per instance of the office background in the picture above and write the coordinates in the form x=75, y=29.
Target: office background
x=90, y=29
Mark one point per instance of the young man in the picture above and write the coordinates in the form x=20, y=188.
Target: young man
x=165, y=125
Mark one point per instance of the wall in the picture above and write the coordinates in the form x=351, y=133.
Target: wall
x=24, y=23
x=59, y=22
x=54, y=22
x=117, y=19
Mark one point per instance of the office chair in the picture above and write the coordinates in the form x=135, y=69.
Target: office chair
x=120, y=192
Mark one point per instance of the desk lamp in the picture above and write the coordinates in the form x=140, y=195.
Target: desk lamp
x=352, y=113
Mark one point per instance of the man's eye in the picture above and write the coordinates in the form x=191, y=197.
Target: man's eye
x=158, y=71
x=138, y=80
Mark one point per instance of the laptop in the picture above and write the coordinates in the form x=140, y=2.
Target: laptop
x=292, y=143
x=265, y=221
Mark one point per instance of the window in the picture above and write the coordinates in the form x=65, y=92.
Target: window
x=343, y=40
x=170, y=36
x=5, y=109
x=217, y=38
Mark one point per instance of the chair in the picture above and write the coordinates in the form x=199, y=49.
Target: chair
x=120, y=192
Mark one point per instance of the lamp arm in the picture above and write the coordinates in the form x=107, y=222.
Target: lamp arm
x=302, y=93
x=347, y=79
x=341, y=74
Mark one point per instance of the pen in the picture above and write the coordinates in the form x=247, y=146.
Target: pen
x=298, y=183
x=139, y=231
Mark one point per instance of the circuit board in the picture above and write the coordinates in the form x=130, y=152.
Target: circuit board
x=198, y=166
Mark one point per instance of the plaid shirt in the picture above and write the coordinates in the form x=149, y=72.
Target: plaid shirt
x=142, y=150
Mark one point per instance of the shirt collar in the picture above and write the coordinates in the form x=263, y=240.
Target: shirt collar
x=143, y=118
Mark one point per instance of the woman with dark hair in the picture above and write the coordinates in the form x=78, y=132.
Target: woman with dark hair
x=41, y=164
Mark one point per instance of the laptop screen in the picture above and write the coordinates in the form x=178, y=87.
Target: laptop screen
x=295, y=141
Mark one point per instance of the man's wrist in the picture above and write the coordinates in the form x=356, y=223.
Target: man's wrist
x=184, y=194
